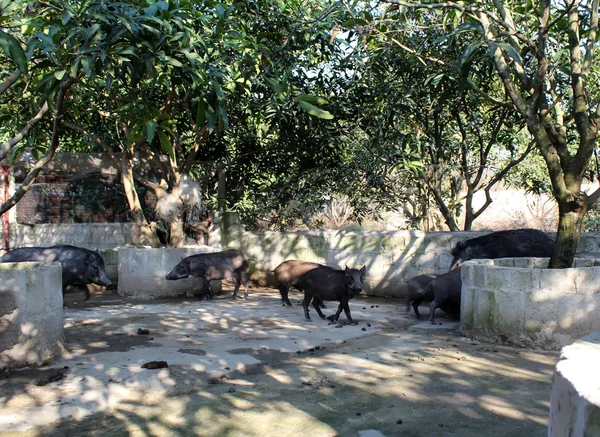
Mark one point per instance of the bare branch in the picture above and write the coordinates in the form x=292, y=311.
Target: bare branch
x=10, y=80
x=7, y=146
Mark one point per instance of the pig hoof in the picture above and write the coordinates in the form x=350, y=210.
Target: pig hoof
x=308, y=320
x=323, y=317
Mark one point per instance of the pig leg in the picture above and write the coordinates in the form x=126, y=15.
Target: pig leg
x=319, y=302
x=285, y=300
x=432, y=306
x=244, y=280
x=206, y=293
x=64, y=288
x=418, y=301
x=338, y=312
x=347, y=311
x=316, y=303
x=236, y=286
x=305, y=302
x=86, y=292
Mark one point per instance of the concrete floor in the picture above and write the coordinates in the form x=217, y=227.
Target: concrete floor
x=255, y=368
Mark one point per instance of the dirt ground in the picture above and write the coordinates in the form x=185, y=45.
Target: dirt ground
x=255, y=368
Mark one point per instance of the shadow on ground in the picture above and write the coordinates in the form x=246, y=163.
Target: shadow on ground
x=255, y=368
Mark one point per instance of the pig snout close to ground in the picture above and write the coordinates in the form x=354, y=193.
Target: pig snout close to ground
x=79, y=266
x=288, y=274
x=445, y=290
x=514, y=243
x=327, y=283
x=230, y=264
x=417, y=292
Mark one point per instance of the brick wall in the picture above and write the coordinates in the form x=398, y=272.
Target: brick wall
x=91, y=198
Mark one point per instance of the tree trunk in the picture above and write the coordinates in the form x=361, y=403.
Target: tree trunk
x=135, y=207
x=469, y=216
x=177, y=236
x=567, y=237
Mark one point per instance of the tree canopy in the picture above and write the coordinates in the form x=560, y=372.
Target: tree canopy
x=392, y=104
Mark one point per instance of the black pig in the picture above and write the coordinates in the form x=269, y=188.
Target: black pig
x=445, y=290
x=417, y=292
x=288, y=274
x=504, y=244
x=79, y=266
x=331, y=284
x=229, y=264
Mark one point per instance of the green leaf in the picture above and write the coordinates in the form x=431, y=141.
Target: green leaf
x=510, y=50
x=468, y=27
x=59, y=74
x=211, y=118
x=66, y=16
x=310, y=98
x=313, y=110
x=218, y=90
x=223, y=119
x=467, y=54
x=173, y=61
x=274, y=85
x=87, y=64
x=166, y=144
x=12, y=49
x=201, y=114
x=150, y=130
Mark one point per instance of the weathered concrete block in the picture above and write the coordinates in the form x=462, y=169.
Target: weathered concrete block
x=522, y=280
x=575, y=396
x=553, y=283
x=535, y=307
x=31, y=314
x=511, y=312
x=142, y=272
x=486, y=310
x=587, y=281
x=467, y=304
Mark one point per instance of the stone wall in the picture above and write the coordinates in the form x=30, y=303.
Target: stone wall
x=575, y=397
x=31, y=314
x=520, y=301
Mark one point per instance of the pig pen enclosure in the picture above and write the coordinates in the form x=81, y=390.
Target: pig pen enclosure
x=256, y=368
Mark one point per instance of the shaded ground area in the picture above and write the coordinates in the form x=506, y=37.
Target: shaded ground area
x=255, y=368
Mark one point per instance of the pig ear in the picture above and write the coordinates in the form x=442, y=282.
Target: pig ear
x=347, y=268
x=468, y=252
x=457, y=248
x=363, y=271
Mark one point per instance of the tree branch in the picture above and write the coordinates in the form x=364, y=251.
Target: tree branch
x=10, y=80
x=7, y=146
x=54, y=143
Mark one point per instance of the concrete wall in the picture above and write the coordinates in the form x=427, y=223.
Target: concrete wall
x=31, y=314
x=390, y=257
x=142, y=272
x=575, y=397
x=520, y=301
x=88, y=235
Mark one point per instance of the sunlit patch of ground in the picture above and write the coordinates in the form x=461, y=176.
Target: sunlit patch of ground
x=255, y=368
